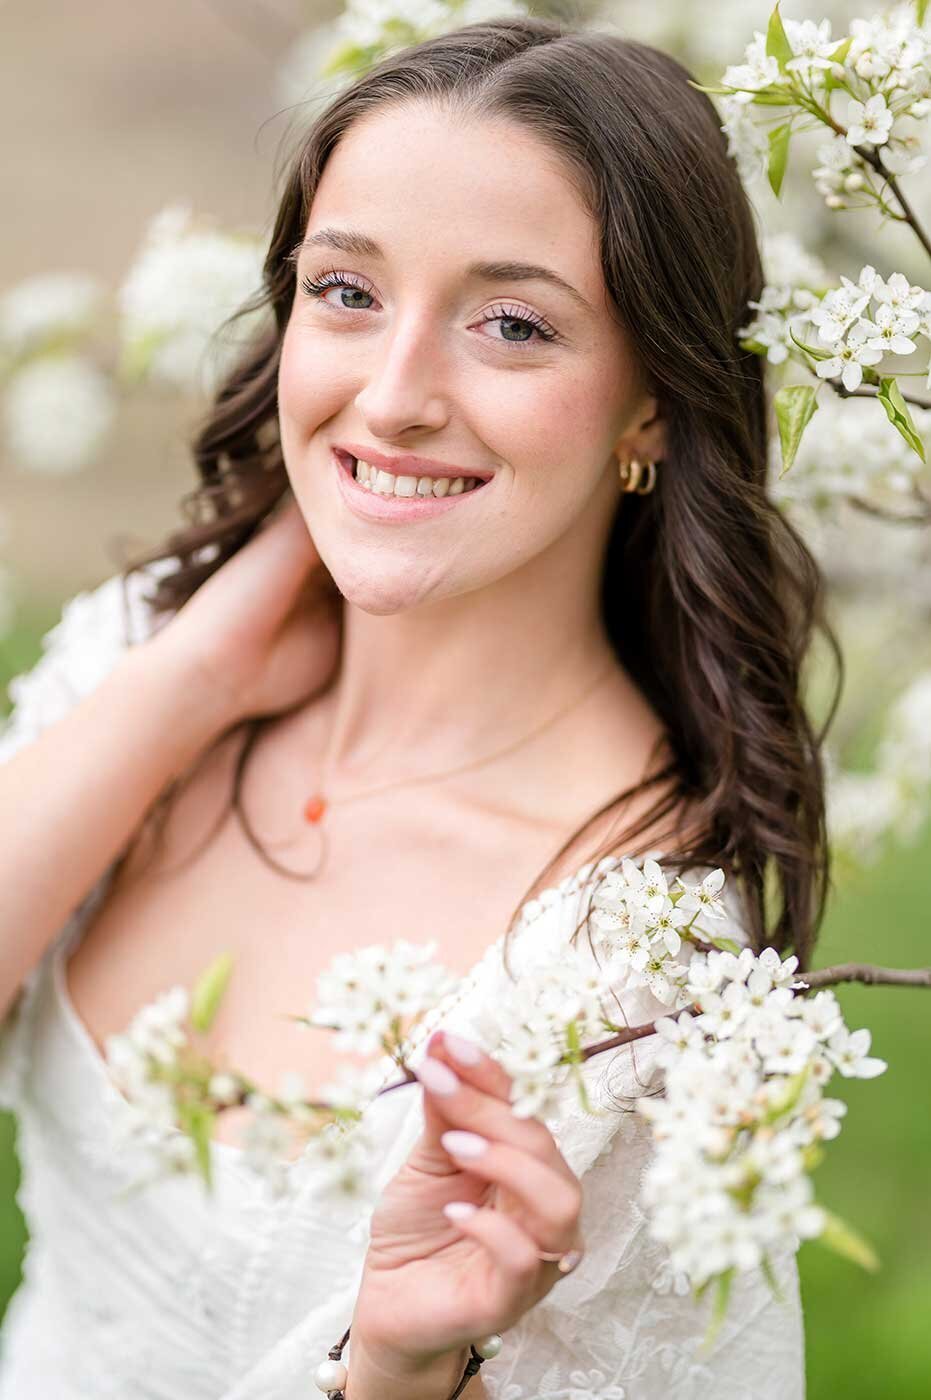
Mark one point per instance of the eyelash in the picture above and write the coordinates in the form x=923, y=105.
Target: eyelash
x=333, y=278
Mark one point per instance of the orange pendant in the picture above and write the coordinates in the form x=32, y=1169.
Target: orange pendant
x=315, y=809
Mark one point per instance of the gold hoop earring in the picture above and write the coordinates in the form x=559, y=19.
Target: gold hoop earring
x=630, y=476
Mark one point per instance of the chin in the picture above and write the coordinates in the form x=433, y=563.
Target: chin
x=383, y=595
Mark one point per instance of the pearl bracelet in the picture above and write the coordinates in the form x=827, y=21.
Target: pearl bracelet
x=331, y=1375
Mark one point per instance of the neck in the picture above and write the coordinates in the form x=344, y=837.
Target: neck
x=451, y=680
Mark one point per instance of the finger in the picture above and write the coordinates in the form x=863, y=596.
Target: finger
x=550, y=1205
x=471, y=1063
x=451, y=1101
x=518, y=1269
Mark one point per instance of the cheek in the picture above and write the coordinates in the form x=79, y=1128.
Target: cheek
x=309, y=388
x=560, y=431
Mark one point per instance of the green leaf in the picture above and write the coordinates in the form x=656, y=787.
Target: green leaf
x=771, y=1279
x=773, y=97
x=812, y=350
x=349, y=58
x=779, y=138
x=777, y=41
x=715, y=91
x=197, y=1121
x=840, y=53
x=795, y=404
x=840, y=1237
x=812, y=1156
x=135, y=359
x=727, y=945
x=890, y=396
x=921, y=6
x=209, y=990
x=795, y=1083
x=721, y=1295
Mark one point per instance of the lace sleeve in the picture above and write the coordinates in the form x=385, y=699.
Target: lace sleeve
x=623, y=1325
x=95, y=629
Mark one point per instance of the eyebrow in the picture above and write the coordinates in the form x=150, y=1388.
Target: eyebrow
x=360, y=245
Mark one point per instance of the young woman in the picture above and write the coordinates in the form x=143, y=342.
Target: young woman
x=524, y=593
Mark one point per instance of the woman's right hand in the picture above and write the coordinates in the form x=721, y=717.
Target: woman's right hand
x=263, y=633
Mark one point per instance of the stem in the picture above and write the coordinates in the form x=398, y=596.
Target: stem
x=872, y=158
x=868, y=974
x=869, y=393
x=823, y=977
x=895, y=517
x=871, y=155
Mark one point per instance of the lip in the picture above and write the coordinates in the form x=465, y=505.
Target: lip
x=409, y=465
x=371, y=505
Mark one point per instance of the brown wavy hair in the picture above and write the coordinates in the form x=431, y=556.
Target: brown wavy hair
x=710, y=597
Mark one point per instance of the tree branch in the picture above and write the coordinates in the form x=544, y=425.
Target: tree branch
x=823, y=977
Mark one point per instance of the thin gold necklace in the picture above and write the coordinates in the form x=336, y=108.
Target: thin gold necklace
x=316, y=806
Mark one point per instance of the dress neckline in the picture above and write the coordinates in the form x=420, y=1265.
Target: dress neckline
x=531, y=909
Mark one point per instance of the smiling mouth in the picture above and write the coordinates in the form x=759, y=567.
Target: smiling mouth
x=382, y=483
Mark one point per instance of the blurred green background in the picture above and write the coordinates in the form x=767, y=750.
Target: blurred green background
x=868, y=1335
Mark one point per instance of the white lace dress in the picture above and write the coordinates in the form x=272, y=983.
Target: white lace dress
x=167, y=1294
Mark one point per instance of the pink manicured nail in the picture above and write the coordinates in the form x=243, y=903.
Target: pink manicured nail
x=460, y=1144
x=461, y=1049
x=459, y=1210
x=437, y=1077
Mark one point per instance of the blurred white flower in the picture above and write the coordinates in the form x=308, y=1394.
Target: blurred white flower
x=788, y=263
x=183, y=284
x=375, y=28
x=362, y=995
x=57, y=410
x=48, y=306
x=849, y=449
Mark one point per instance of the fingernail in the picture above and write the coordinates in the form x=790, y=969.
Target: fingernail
x=459, y=1210
x=437, y=1077
x=461, y=1049
x=460, y=1144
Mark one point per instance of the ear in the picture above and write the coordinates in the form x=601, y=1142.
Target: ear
x=645, y=434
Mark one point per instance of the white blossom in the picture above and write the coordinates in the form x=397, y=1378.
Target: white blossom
x=811, y=46
x=743, y=1099
x=746, y=139
x=57, y=409
x=361, y=994
x=704, y=897
x=758, y=70
x=852, y=354
x=848, y=1051
x=868, y=123
x=182, y=286
x=46, y=307
x=891, y=329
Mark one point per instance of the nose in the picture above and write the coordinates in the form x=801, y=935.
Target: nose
x=404, y=382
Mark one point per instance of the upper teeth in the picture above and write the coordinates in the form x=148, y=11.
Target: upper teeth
x=387, y=484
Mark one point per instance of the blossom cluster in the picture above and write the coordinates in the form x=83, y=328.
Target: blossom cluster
x=878, y=76
x=737, y=1129
x=60, y=403
x=746, y=1059
x=852, y=332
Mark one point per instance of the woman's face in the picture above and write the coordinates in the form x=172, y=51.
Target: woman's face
x=490, y=373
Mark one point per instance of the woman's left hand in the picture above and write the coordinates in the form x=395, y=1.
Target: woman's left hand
x=430, y=1284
